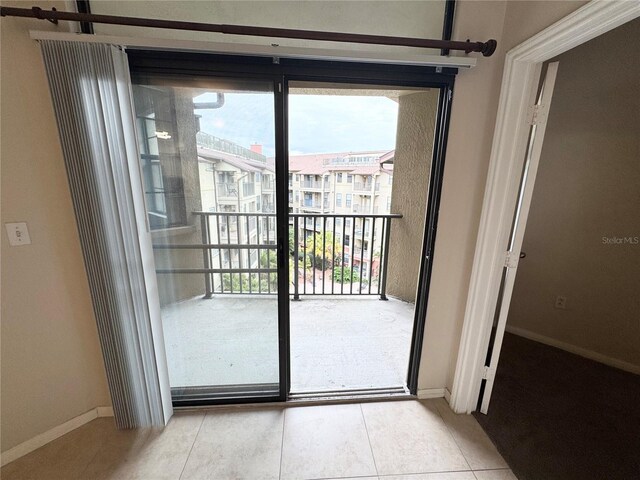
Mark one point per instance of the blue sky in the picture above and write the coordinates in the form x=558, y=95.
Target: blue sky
x=317, y=123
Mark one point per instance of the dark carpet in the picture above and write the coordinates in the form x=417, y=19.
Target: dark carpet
x=555, y=415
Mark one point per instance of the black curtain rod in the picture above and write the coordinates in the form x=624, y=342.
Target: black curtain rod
x=486, y=48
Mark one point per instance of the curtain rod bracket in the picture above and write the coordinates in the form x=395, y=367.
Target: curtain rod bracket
x=37, y=13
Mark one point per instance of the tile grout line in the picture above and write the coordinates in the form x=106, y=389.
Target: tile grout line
x=366, y=429
x=95, y=455
x=192, y=445
x=413, y=474
x=284, y=419
x=446, y=425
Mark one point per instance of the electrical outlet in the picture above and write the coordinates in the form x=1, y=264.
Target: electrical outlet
x=18, y=234
x=561, y=302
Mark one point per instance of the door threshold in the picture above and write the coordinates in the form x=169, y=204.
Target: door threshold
x=354, y=394
x=315, y=398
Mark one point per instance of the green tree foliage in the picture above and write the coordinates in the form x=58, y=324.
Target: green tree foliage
x=322, y=259
x=347, y=277
x=269, y=260
x=258, y=282
x=292, y=244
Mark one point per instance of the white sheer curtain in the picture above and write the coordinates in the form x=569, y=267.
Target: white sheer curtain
x=91, y=94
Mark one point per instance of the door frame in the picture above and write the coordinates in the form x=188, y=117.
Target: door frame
x=519, y=84
x=281, y=71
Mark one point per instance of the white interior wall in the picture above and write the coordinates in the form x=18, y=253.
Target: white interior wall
x=52, y=368
x=414, y=19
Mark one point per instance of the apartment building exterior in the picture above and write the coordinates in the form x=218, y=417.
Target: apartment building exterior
x=347, y=186
x=234, y=183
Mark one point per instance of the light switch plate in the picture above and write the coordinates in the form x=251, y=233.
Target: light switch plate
x=18, y=234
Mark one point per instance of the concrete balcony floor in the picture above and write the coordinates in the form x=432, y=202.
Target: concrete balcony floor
x=337, y=342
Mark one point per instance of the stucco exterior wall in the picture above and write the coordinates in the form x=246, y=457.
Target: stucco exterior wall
x=411, y=169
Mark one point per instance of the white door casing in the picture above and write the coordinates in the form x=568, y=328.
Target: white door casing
x=537, y=114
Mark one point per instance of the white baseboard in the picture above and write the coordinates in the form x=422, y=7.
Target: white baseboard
x=583, y=352
x=105, y=411
x=50, y=435
x=431, y=393
x=447, y=395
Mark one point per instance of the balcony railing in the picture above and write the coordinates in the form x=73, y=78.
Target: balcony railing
x=322, y=263
x=240, y=254
x=227, y=190
x=311, y=184
x=209, y=141
x=362, y=187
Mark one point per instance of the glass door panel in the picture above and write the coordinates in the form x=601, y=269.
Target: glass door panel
x=207, y=151
x=359, y=168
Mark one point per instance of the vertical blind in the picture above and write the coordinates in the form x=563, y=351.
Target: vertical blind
x=90, y=90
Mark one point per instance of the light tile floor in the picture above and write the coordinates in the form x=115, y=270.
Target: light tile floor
x=396, y=440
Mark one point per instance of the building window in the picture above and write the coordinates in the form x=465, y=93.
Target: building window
x=349, y=178
x=339, y=178
x=348, y=203
x=225, y=177
x=308, y=200
x=164, y=195
x=388, y=203
x=347, y=224
x=338, y=199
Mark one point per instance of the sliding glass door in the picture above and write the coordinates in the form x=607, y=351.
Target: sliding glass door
x=207, y=153
x=252, y=204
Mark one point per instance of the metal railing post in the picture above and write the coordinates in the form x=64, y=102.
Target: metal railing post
x=385, y=258
x=206, y=255
x=296, y=257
